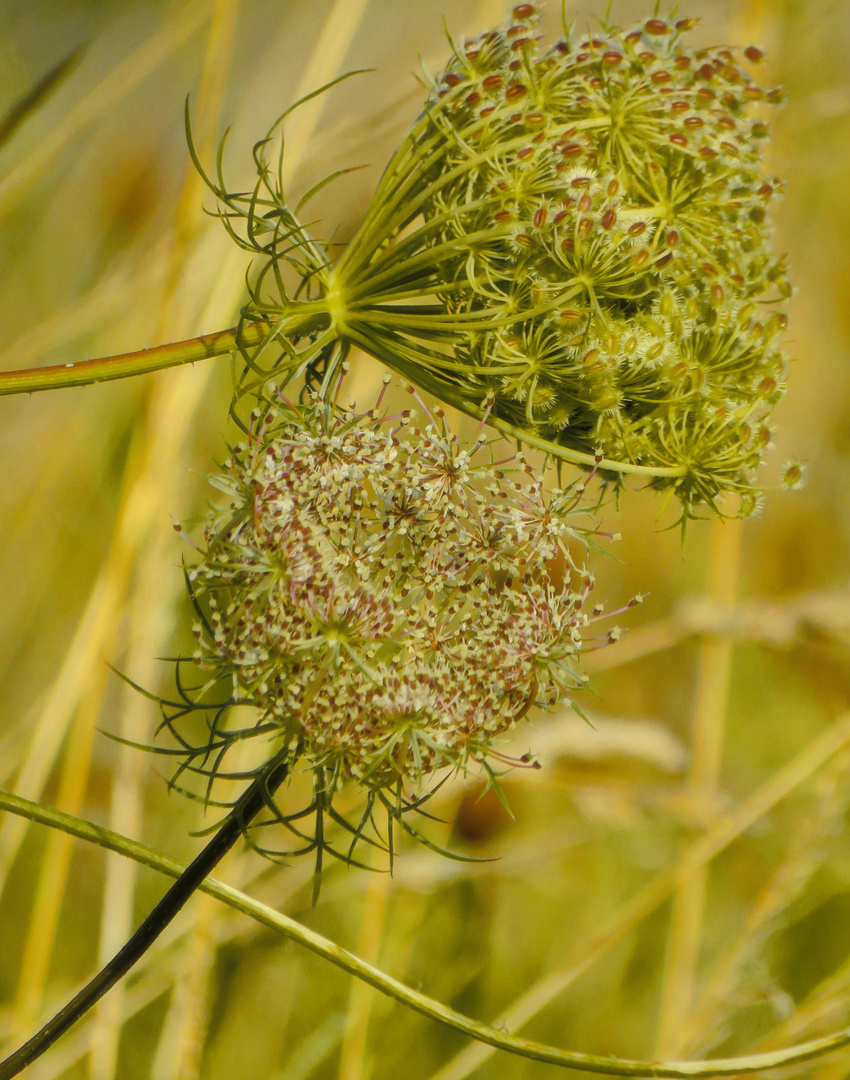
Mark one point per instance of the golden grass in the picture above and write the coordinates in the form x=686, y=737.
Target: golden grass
x=568, y=932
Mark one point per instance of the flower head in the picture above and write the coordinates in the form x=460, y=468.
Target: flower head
x=597, y=212
x=577, y=232
x=389, y=600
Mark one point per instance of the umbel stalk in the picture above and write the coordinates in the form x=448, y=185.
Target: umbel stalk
x=246, y=809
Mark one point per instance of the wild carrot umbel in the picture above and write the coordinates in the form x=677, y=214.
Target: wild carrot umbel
x=578, y=233
x=389, y=600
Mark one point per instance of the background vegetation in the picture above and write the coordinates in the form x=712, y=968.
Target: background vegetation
x=601, y=926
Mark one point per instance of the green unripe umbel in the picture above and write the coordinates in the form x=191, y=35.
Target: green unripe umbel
x=573, y=240
x=597, y=212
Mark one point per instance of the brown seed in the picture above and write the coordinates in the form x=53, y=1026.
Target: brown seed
x=665, y=260
x=608, y=219
x=753, y=54
x=524, y=11
x=540, y=216
x=679, y=139
x=515, y=92
x=612, y=59
x=452, y=78
x=659, y=77
x=672, y=238
x=637, y=229
x=492, y=82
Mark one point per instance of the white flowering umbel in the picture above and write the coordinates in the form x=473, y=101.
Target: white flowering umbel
x=389, y=600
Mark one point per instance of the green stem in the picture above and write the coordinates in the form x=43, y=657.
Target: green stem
x=60, y=376
x=187, y=883
x=301, y=316
x=434, y=1010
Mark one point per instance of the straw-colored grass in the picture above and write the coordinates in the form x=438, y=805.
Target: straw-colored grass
x=675, y=884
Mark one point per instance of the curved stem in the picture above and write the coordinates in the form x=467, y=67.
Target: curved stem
x=822, y=750
x=245, y=810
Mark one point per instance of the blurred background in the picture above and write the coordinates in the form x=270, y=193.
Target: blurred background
x=674, y=883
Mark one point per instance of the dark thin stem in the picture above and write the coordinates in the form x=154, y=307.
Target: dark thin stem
x=249, y=805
